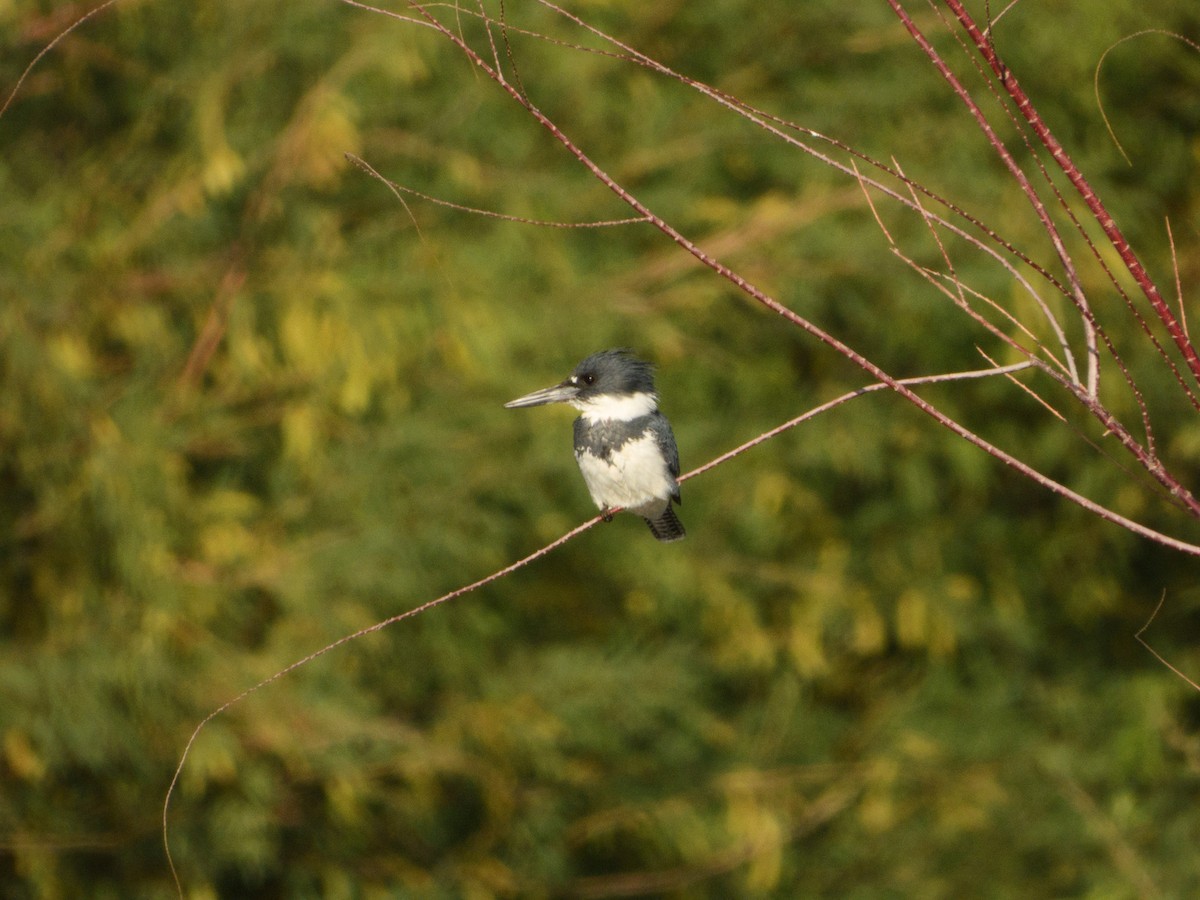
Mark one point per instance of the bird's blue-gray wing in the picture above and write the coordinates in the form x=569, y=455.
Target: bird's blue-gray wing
x=665, y=438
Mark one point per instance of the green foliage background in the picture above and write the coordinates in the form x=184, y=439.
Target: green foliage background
x=881, y=665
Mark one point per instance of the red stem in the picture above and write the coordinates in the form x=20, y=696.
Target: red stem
x=1099, y=211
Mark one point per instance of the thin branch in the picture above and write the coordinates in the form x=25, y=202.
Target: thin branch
x=508, y=51
x=1068, y=210
x=845, y=398
x=399, y=189
x=1146, y=456
x=1100, y=64
x=487, y=28
x=776, y=125
x=994, y=21
x=400, y=17
x=1104, y=267
x=1155, y=653
x=1178, y=282
x=50, y=46
x=1030, y=391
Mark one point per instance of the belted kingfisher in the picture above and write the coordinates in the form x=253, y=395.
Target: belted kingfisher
x=623, y=444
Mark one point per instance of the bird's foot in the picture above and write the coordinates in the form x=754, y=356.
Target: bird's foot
x=606, y=514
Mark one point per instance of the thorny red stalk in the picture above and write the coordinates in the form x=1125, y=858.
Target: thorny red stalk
x=1110, y=228
x=1089, y=399
x=1093, y=327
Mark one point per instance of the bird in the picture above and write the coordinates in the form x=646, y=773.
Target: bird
x=623, y=444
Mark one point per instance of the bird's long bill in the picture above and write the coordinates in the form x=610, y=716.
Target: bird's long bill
x=560, y=393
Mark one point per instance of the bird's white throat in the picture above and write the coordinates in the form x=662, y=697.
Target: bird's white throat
x=617, y=407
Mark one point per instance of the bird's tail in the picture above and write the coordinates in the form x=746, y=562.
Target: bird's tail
x=666, y=526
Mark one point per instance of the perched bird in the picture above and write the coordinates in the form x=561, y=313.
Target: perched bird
x=623, y=444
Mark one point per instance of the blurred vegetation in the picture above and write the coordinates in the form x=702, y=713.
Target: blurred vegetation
x=250, y=402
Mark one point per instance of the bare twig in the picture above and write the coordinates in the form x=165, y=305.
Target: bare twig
x=50, y=46
x=1100, y=64
x=845, y=398
x=786, y=131
x=1045, y=404
x=398, y=189
x=1100, y=260
x=1178, y=282
x=1141, y=640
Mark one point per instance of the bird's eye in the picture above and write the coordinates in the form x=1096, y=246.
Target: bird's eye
x=589, y=378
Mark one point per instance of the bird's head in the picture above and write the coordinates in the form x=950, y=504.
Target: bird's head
x=603, y=379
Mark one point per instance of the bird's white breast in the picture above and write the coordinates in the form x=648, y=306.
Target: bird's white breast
x=634, y=477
